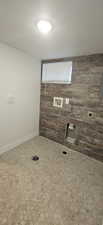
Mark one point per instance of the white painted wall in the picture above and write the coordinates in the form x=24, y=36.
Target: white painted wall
x=19, y=85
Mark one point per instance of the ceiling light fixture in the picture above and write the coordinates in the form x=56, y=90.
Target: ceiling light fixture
x=44, y=26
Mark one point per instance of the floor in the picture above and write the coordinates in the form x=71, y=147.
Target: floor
x=58, y=189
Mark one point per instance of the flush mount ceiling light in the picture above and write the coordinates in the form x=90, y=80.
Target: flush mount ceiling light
x=44, y=26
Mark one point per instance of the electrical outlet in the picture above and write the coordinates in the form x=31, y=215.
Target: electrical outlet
x=11, y=99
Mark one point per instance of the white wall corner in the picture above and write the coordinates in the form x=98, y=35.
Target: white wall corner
x=18, y=142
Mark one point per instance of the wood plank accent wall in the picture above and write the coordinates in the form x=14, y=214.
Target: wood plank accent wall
x=86, y=95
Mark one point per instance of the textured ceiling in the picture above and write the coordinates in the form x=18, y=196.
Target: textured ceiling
x=78, y=26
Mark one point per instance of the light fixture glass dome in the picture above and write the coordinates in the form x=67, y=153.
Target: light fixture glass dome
x=44, y=26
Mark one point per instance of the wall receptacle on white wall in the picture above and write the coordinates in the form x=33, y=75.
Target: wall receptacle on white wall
x=11, y=99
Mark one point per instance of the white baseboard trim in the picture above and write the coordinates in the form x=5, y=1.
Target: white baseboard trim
x=16, y=143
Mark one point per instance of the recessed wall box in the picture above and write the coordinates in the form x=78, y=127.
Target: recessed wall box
x=58, y=102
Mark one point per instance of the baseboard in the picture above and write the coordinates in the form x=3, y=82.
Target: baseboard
x=16, y=143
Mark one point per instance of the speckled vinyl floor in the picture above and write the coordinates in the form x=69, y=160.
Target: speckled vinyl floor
x=56, y=190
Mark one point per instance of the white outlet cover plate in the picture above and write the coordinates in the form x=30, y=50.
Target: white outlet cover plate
x=11, y=99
